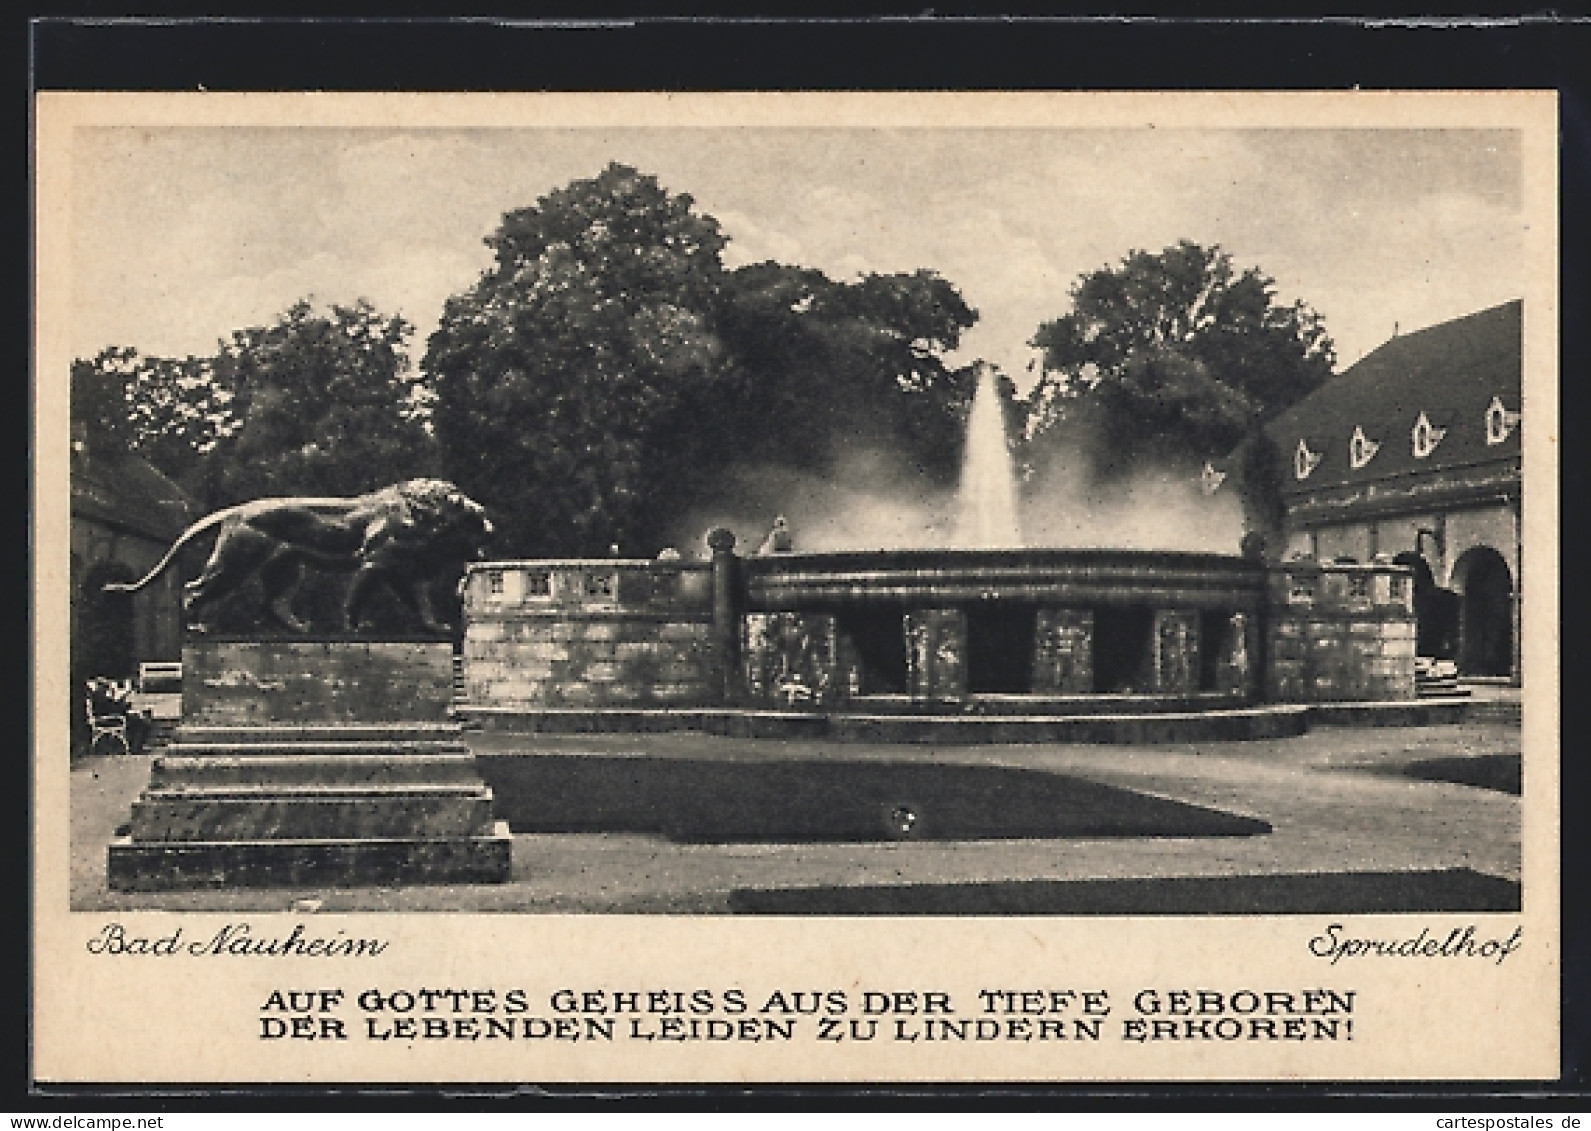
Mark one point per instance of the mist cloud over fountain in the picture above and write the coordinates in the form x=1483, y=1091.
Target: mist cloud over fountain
x=986, y=506
x=983, y=620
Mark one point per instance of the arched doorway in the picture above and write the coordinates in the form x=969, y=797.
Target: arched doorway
x=1436, y=610
x=1486, y=613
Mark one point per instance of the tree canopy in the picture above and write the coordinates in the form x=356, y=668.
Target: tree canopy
x=171, y=411
x=818, y=363
x=325, y=403
x=562, y=377
x=596, y=378
x=591, y=387
x=1173, y=357
x=316, y=403
x=101, y=397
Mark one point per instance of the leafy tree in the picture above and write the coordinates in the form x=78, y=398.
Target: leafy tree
x=819, y=364
x=563, y=378
x=319, y=404
x=170, y=411
x=316, y=403
x=313, y=404
x=1172, y=358
x=1257, y=468
x=179, y=413
x=595, y=381
x=101, y=388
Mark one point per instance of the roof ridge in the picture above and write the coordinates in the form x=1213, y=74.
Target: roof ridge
x=1450, y=372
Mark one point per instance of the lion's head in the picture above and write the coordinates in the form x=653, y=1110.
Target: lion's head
x=432, y=521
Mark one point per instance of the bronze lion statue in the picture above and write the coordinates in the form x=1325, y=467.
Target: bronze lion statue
x=399, y=538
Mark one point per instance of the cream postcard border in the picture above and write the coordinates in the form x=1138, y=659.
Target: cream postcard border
x=125, y=1021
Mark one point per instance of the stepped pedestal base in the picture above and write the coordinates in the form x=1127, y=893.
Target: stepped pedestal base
x=313, y=799
x=146, y=866
x=326, y=805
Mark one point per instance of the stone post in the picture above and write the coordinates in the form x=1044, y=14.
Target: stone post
x=936, y=651
x=1063, y=652
x=1176, y=651
x=726, y=611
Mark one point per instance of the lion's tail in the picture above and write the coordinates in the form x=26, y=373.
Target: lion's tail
x=188, y=535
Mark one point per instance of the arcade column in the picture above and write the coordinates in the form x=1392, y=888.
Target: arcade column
x=1176, y=651
x=726, y=613
x=936, y=655
x=1063, y=652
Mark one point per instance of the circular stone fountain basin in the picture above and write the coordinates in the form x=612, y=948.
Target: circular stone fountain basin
x=892, y=645
x=1006, y=631
x=1078, y=578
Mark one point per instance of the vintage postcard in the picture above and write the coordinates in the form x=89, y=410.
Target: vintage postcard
x=796, y=587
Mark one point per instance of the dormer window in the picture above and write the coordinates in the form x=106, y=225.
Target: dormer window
x=1361, y=449
x=1211, y=479
x=1305, y=461
x=1425, y=436
x=1500, y=423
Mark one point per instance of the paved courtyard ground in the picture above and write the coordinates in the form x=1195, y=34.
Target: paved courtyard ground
x=1339, y=802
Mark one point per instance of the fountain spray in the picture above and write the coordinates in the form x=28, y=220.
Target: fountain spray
x=986, y=506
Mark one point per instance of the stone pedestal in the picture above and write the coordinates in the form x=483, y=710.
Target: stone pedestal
x=1340, y=632
x=324, y=680
x=595, y=634
x=325, y=762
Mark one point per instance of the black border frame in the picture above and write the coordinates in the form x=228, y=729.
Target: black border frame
x=545, y=47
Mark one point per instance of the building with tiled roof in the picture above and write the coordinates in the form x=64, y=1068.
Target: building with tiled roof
x=1413, y=454
x=124, y=515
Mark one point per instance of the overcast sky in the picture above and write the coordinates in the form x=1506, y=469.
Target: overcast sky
x=182, y=235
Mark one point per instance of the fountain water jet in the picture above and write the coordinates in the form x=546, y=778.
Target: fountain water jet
x=986, y=505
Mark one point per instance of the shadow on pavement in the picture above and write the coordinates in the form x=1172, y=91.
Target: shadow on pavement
x=1348, y=893
x=1499, y=772
x=717, y=802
